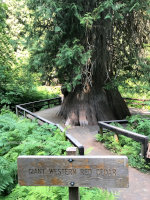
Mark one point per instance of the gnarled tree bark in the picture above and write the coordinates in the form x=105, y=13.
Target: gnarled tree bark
x=87, y=108
x=90, y=102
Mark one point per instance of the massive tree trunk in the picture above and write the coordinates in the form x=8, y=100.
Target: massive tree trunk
x=90, y=102
x=88, y=107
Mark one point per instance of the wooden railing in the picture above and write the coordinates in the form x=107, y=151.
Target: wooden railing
x=28, y=109
x=135, y=136
x=141, y=102
x=46, y=103
x=22, y=109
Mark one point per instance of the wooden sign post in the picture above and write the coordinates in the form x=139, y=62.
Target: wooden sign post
x=73, y=171
x=74, y=193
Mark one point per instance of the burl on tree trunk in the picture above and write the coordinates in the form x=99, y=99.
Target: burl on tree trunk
x=87, y=108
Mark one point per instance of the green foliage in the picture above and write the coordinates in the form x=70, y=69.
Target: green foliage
x=136, y=90
x=71, y=57
x=21, y=137
x=57, y=193
x=15, y=80
x=95, y=193
x=140, y=125
x=5, y=47
x=127, y=146
x=17, y=83
x=6, y=55
x=7, y=174
x=56, y=25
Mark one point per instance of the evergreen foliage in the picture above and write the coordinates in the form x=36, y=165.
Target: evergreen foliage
x=64, y=36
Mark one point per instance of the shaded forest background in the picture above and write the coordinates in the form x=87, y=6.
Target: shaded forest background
x=25, y=60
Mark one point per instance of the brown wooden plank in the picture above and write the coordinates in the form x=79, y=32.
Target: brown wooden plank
x=75, y=171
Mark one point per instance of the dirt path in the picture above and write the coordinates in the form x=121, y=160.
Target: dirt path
x=139, y=183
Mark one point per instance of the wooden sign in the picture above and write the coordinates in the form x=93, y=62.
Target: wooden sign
x=73, y=171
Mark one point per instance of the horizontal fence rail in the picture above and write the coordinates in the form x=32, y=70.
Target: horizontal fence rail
x=136, y=99
x=26, y=113
x=141, y=102
x=135, y=136
x=37, y=105
x=40, y=101
x=116, y=121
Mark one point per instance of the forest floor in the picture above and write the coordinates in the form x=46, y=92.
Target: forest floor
x=139, y=183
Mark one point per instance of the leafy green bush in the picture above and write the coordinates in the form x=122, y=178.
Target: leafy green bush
x=127, y=146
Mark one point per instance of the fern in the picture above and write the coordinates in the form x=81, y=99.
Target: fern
x=57, y=193
x=7, y=174
x=127, y=146
x=22, y=137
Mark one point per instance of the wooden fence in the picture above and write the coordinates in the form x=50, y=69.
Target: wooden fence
x=135, y=136
x=27, y=110
x=141, y=102
x=23, y=109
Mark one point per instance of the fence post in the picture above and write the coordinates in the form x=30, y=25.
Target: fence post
x=24, y=114
x=16, y=110
x=33, y=108
x=48, y=103
x=144, y=148
x=73, y=191
x=81, y=150
x=101, y=130
x=148, y=151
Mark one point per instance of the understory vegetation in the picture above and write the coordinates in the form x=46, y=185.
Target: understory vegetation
x=135, y=92
x=56, y=193
x=127, y=146
x=19, y=136
x=78, y=46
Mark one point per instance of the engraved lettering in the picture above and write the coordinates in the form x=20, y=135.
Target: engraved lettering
x=60, y=172
x=67, y=172
x=106, y=172
x=86, y=172
x=73, y=171
x=114, y=172
x=36, y=171
x=99, y=171
x=50, y=171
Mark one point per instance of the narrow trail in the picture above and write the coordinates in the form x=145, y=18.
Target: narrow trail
x=139, y=183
